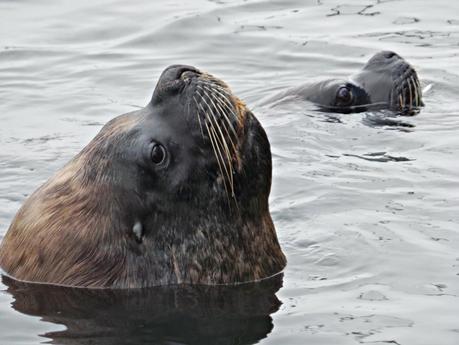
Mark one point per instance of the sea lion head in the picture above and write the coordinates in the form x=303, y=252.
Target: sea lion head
x=176, y=192
x=387, y=81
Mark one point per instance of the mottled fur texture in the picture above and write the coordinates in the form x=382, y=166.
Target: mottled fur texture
x=76, y=229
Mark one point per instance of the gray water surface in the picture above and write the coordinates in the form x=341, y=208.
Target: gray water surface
x=366, y=205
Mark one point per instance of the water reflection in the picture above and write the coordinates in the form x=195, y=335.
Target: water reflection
x=389, y=120
x=160, y=315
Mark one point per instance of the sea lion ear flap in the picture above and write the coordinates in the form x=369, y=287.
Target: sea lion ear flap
x=170, y=81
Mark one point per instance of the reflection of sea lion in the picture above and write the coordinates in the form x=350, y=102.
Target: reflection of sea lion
x=176, y=192
x=387, y=81
x=186, y=314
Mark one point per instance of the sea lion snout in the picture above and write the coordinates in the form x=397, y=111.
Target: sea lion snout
x=173, y=80
x=388, y=78
x=387, y=62
x=389, y=54
x=175, y=72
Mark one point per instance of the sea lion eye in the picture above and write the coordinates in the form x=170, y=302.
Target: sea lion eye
x=158, y=153
x=344, y=95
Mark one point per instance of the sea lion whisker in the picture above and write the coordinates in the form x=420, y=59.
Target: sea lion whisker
x=215, y=147
x=211, y=99
x=217, y=157
x=224, y=91
x=229, y=165
x=203, y=97
x=227, y=151
x=228, y=180
x=198, y=115
x=214, y=117
x=218, y=143
x=222, y=114
x=214, y=89
x=225, y=116
x=411, y=95
x=230, y=125
x=217, y=86
x=402, y=98
x=211, y=96
x=418, y=81
x=226, y=101
x=220, y=111
x=391, y=98
x=419, y=93
x=417, y=99
x=225, y=104
x=226, y=113
x=222, y=142
x=416, y=91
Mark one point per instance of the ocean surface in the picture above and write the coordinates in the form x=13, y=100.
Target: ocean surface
x=366, y=205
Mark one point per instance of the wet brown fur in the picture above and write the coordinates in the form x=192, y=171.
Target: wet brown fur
x=67, y=224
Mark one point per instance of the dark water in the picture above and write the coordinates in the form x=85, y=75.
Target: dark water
x=366, y=205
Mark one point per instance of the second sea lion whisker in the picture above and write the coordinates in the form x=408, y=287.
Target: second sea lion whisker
x=220, y=143
x=224, y=98
x=199, y=117
x=214, y=135
x=220, y=111
x=216, y=156
x=214, y=117
x=224, y=103
x=225, y=126
x=411, y=93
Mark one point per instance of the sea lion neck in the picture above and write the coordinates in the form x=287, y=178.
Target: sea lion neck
x=212, y=250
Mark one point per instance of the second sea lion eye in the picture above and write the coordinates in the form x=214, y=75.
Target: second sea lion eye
x=158, y=153
x=344, y=95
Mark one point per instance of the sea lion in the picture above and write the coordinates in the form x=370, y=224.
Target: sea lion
x=173, y=193
x=386, y=81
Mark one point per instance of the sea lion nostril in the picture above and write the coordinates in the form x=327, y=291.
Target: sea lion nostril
x=186, y=71
x=187, y=74
x=389, y=54
x=171, y=81
x=175, y=72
